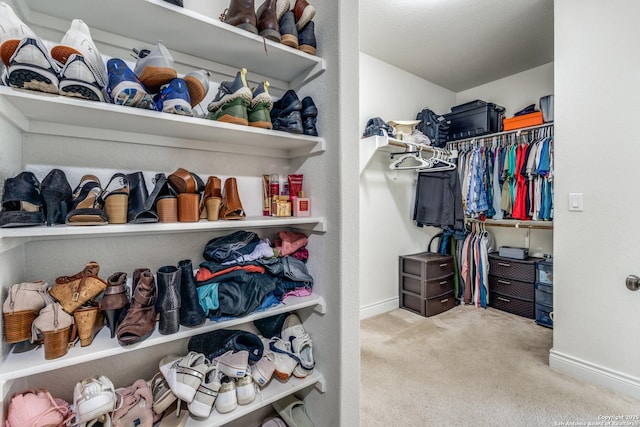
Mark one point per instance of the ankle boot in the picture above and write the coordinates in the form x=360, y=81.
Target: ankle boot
x=242, y=14
x=115, y=301
x=268, y=26
x=24, y=302
x=231, y=205
x=191, y=313
x=309, y=116
x=168, y=302
x=140, y=321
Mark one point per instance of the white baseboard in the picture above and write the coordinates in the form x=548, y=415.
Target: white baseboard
x=599, y=375
x=379, y=307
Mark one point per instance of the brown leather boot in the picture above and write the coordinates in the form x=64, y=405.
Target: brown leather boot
x=231, y=205
x=140, y=321
x=268, y=21
x=115, y=301
x=242, y=14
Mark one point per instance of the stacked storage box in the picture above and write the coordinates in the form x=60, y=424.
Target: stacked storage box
x=511, y=284
x=426, y=283
x=473, y=119
x=544, y=293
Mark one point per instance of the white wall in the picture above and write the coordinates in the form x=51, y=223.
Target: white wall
x=596, y=109
x=386, y=204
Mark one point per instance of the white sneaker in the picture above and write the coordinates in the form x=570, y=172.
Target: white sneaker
x=12, y=30
x=184, y=374
x=78, y=40
x=301, y=345
x=245, y=390
x=93, y=397
x=233, y=363
x=263, y=369
x=154, y=67
x=31, y=67
x=205, y=397
x=284, y=358
x=227, y=400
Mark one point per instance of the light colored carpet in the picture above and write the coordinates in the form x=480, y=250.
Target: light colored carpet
x=471, y=367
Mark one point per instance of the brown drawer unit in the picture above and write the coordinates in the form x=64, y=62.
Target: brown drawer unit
x=512, y=284
x=426, y=283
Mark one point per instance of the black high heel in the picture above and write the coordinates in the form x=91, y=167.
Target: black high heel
x=56, y=193
x=115, y=301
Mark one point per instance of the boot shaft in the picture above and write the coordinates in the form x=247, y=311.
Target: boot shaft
x=168, y=285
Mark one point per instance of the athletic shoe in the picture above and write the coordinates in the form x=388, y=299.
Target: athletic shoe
x=154, y=67
x=91, y=69
x=233, y=364
x=174, y=98
x=245, y=390
x=12, y=30
x=307, y=39
x=227, y=399
x=77, y=79
x=235, y=112
x=260, y=106
x=198, y=85
x=263, y=369
x=288, y=30
x=231, y=90
x=304, y=13
x=124, y=88
x=31, y=67
x=206, y=394
x=282, y=7
x=284, y=359
x=301, y=345
x=286, y=113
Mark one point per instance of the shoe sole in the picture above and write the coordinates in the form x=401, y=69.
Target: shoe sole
x=80, y=89
x=34, y=78
x=271, y=35
x=154, y=77
x=197, y=91
x=248, y=27
x=132, y=94
x=263, y=125
x=306, y=48
x=289, y=40
x=227, y=118
x=62, y=53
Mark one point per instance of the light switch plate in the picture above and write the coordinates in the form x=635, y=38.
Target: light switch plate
x=576, y=202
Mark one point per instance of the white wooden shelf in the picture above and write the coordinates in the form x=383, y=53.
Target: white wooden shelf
x=12, y=237
x=148, y=21
x=48, y=114
x=33, y=362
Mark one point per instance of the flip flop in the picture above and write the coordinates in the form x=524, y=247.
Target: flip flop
x=291, y=410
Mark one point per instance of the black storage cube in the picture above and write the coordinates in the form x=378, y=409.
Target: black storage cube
x=474, y=118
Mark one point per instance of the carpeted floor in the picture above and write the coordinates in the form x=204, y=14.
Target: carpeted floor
x=471, y=367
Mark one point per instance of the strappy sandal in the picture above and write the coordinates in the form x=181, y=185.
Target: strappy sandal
x=86, y=208
x=21, y=201
x=116, y=200
x=164, y=198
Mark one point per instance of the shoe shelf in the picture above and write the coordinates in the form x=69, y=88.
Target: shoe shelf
x=181, y=30
x=12, y=237
x=32, y=362
x=41, y=113
x=273, y=392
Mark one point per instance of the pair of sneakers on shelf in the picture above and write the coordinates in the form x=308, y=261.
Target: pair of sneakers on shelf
x=222, y=383
x=236, y=103
x=290, y=345
x=73, y=67
x=154, y=73
x=289, y=114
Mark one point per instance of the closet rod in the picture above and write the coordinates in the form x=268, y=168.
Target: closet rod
x=398, y=143
x=508, y=132
x=538, y=225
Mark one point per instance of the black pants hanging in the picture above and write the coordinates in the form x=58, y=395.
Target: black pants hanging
x=439, y=200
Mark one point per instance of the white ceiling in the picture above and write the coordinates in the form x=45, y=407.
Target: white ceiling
x=458, y=44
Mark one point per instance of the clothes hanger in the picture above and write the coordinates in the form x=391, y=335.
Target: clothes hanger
x=438, y=162
x=413, y=156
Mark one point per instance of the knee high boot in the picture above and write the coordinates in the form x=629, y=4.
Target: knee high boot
x=191, y=313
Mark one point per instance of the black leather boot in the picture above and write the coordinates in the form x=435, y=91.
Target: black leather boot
x=168, y=302
x=191, y=313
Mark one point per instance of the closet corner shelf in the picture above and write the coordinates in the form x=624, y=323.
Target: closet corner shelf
x=47, y=114
x=212, y=39
x=273, y=392
x=11, y=237
x=33, y=362
x=514, y=223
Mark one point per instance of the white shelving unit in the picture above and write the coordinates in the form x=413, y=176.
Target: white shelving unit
x=224, y=48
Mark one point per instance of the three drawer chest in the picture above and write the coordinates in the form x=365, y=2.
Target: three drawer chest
x=426, y=283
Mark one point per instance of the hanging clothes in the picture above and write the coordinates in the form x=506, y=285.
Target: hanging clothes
x=438, y=200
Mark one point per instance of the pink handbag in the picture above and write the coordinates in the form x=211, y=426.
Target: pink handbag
x=37, y=408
